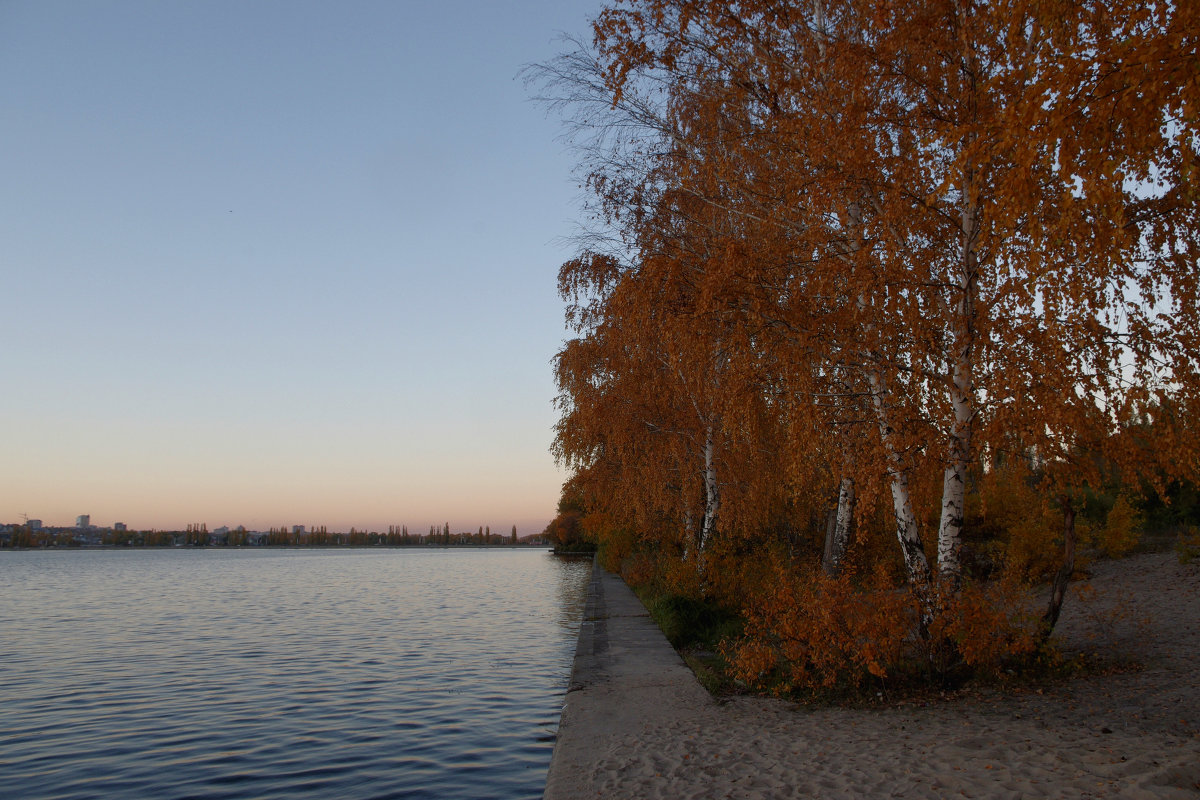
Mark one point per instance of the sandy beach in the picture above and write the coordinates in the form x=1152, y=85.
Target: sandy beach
x=1131, y=734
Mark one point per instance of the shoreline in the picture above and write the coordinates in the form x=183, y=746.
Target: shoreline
x=637, y=724
x=625, y=674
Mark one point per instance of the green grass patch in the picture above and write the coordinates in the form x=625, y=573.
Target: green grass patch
x=696, y=628
x=689, y=623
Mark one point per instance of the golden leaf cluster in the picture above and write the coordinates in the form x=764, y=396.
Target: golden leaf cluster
x=915, y=248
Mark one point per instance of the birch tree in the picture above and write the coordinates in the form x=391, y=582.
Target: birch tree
x=929, y=153
x=864, y=251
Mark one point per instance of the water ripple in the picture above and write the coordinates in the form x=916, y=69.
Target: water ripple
x=283, y=674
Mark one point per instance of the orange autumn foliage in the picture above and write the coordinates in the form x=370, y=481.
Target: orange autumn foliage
x=809, y=633
x=1120, y=532
x=986, y=625
x=919, y=274
x=1022, y=521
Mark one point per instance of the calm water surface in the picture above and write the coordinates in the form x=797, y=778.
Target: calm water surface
x=283, y=673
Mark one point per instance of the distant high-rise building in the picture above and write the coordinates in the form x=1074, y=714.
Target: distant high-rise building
x=83, y=521
x=119, y=526
x=297, y=529
x=34, y=524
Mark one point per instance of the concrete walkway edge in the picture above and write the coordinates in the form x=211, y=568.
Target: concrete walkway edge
x=626, y=676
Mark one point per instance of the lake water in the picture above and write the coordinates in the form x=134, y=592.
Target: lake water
x=333, y=674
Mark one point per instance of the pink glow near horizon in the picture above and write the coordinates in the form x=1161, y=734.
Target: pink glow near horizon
x=270, y=268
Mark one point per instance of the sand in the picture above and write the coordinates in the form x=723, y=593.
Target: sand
x=1133, y=734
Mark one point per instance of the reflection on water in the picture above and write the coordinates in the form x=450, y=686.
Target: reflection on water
x=283, y=673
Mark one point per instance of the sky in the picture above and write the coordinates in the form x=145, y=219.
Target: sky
x=281, y=263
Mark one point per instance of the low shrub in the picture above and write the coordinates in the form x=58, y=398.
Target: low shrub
x=1121, y=531
x=688, y=622
x=1188, y=545
x=816, y=635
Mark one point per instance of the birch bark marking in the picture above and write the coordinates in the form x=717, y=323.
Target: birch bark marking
x=962, y=400
x=689, y=534
x=819, y=24
x=839, y=539
x=712, y=492
x=962, y=327
x=915, y=562
x=827, y=552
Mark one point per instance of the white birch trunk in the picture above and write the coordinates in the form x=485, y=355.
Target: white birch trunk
x=962, y=397
x=689, y=535
x=954, y=479
x=962, y=355
x=915, y=562
x=712, y=496
x=819, y=24
x=840, y=538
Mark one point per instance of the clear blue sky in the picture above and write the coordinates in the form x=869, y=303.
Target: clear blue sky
x=283, y=262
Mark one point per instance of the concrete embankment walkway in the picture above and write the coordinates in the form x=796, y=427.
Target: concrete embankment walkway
x=639, y=727
x=626, y=677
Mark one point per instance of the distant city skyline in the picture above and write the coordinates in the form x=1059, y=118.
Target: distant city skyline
x=281, y=262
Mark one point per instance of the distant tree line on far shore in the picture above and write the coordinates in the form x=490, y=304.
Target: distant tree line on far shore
x=198, y=535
